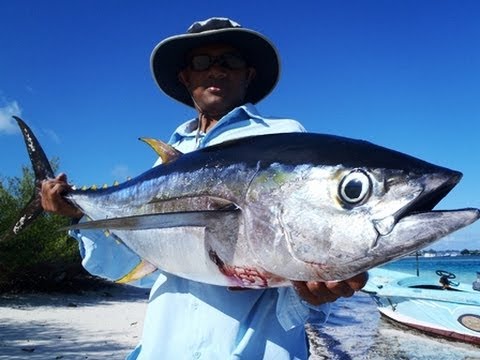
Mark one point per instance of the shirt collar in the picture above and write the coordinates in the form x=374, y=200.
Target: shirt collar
x=189, y=128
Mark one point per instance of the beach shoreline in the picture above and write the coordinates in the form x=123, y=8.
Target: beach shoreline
x=105, y=323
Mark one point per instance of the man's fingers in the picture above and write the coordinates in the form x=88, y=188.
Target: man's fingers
x=318, y=292
x=60, y=189
x=340, y=288
x=62, y=177
x=314, y=292
x=52, y=197
x=358, y=281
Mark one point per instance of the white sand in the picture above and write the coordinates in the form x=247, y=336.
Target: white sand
x=96, y=325
x=107, y=324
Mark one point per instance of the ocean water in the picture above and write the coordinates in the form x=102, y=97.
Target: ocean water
x=464, y=267
x=355, y=329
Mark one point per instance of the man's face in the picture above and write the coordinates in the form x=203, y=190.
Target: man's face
x=220, y=87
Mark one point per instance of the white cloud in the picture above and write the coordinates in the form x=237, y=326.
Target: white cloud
x=121, y=173
x=467, y=238
x=53, y=135
x=7, y=124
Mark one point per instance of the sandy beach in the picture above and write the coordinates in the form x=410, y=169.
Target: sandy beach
x=107, y=324
x=93, y=325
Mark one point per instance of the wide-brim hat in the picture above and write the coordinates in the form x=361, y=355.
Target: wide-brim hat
x=169, y=57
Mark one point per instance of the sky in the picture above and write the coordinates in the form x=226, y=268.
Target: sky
x=402, y=74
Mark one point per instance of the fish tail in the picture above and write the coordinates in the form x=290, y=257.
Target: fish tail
x=42, y=170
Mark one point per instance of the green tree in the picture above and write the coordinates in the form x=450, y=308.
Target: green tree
x=40, y=256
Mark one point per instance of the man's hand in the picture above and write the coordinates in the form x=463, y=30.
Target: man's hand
x=317, y=292
x=52, y=197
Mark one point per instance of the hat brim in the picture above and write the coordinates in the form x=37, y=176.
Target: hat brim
x=168, y=59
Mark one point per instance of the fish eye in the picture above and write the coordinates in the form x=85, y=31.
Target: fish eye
x=355, y=187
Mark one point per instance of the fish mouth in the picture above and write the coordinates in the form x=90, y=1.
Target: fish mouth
x=434, y=190
x=428, y=200
x=417, y=224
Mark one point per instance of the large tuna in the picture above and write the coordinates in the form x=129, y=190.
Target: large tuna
x=260, y=211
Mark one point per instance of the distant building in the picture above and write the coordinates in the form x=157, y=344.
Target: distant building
x=451, y=253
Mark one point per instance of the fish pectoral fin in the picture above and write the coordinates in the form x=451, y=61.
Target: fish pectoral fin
x=222, y=204
x=143, y=269
x=191, y=203
x=161, y=220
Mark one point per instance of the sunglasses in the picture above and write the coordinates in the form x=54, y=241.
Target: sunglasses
x=229, y=60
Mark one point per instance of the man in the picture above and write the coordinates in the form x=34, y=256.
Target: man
x=220, y=69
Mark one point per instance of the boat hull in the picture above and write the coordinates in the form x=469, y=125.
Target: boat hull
x=420, y=303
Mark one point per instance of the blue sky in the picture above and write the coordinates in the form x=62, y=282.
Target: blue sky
x=402, y=74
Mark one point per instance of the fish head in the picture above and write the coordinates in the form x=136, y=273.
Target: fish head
x=335, y=218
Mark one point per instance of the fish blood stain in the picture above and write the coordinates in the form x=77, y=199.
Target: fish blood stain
x=241, y=276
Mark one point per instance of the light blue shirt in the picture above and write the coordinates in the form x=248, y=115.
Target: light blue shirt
x=191, y=320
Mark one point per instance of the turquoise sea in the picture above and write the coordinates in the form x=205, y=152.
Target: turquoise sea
x=464, y=267
x=355, y=329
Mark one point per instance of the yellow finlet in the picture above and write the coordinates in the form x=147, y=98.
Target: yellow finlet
x=166, y=152
x=143, y=269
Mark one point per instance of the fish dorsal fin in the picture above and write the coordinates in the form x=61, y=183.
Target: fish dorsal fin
x=166, y=152
x=161, y=220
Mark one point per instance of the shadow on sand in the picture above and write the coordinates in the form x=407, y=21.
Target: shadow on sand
x=91, y=325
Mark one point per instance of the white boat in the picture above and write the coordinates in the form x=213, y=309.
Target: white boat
x=451, y=310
